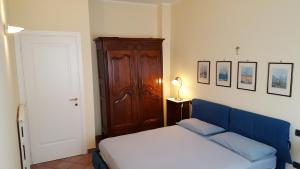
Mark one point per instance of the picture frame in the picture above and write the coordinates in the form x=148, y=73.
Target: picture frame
x=247, y=76
x=280, y=79
x=223, y=73
x=203, y=72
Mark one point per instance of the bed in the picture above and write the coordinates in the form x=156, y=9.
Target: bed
x=176, y=147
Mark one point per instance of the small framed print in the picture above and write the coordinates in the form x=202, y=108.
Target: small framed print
x=203, y=72
x=280, y=79
x=223, y=73
x=247, y=75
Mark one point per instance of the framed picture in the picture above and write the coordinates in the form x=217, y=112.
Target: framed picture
x=280, y=79
x=203, y=72
x=247, y=75
x=223, y=73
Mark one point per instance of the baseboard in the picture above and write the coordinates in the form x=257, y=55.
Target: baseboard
x=98, y=139
x=91, y=150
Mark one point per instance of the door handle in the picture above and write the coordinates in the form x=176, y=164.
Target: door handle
x=73, y=99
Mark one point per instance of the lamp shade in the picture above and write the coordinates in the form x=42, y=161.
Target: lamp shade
x=177, y=82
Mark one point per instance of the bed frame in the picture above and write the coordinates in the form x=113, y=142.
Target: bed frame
x=271, y=131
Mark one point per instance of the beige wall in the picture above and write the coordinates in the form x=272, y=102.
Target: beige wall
x=63, y=16
x=113, y=18
x=266, y=31
x=9, y=146
x=128, y=19
x=165, y=25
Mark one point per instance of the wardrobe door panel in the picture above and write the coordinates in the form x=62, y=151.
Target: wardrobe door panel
x=123, y=116
x=150, y=89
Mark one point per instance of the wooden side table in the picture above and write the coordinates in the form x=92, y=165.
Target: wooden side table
x=177, y=110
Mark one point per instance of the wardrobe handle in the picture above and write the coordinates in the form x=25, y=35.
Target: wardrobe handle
x=122, y=99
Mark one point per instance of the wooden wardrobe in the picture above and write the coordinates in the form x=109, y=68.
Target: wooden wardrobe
x=131, y=89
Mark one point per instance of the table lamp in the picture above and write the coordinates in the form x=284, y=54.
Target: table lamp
x=177, y=82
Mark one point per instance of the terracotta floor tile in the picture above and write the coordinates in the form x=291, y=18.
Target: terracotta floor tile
x=76, y=162
x=89, y=167
x=77, y=166
x=63, y=165
x=51, y=163
x=40, y=167
x=85, y=160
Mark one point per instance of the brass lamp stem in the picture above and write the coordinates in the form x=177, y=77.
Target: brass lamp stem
x=178, y=93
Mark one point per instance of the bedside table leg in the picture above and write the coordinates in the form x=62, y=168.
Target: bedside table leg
x=181, y=107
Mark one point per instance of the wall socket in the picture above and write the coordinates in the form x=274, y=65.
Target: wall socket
x=297, y=133
x=296, y=165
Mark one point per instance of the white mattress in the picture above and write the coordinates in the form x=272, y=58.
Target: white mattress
x=173, y=148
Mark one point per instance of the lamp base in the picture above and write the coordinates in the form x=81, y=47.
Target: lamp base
x=178, y=99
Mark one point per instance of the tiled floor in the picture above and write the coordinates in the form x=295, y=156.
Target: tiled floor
x=76, y=162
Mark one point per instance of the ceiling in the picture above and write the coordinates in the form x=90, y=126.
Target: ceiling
x=146, y=1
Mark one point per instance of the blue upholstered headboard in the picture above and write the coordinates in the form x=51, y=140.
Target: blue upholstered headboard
x=210, y=112
x=273, y=132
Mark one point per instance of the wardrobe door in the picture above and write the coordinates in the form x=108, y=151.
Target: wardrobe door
x=150, y=89
x=123, y=95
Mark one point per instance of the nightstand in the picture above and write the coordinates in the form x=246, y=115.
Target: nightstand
x=177, y=110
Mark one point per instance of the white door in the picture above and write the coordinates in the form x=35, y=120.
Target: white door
x=50, y=66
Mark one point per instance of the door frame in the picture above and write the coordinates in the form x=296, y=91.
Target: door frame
x=20, y=74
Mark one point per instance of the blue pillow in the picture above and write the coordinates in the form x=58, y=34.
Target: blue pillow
x=248, y=148
x=200, y=127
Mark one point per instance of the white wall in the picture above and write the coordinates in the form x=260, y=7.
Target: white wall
x=9, y=146
x=266, y=30
x=62, y=16
x=129, y=19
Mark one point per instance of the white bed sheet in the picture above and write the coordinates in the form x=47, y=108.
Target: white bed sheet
x=173, y=148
